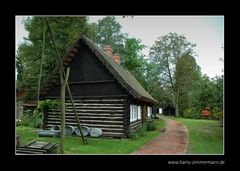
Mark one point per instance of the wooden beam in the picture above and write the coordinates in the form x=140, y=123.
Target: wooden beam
x=144, y=114
x=87, y=98
x=89, y=82
x=110, y=111
x=90, y=125
x=87, y=117
x=95, y=121
x=63, y=88
x=101, y=100
x=95, y=104
x=97, y=107
x=88, y=114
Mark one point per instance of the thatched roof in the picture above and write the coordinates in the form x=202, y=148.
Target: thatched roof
x=126, y=79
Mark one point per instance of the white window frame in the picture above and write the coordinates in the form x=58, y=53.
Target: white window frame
x=139, y=113
x=133, y=113
x=149, y=111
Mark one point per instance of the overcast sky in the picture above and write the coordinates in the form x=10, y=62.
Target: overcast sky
x=207, y=32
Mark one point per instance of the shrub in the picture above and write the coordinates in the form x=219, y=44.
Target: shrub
x=130, y=134
x=138, y=133
x=42, y=107
x=191, y=113
x=48, y=104
x=150, y=125
x=18, y=122
x=217, y=115
x=26, y=120
x=30, y=120
x=142, y=130
x=37, y=120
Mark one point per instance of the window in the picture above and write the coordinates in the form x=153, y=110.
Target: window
x=149, y=109
x=133, y=113
x=139, y=113
x=160, y=110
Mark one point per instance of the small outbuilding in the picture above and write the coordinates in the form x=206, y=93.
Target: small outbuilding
x=168, y=110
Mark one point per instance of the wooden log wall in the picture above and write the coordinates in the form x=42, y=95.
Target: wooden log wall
x=134, y=126
x=104, y=113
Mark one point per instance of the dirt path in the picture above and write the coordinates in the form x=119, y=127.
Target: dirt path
x=173, y=141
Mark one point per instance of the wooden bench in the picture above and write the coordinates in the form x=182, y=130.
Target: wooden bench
x=37, y=147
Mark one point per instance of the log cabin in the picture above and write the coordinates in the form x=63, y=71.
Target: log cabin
x=106, y=95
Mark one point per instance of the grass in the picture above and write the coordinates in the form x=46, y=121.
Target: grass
x=74, y=145
x=206, y=136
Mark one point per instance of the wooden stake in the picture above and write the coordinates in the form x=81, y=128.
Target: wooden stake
x=40, y=75
x=63, y=88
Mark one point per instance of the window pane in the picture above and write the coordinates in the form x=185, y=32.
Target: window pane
x=149, y=111
x=134, y=113
x=131, y=113
x=139, y=112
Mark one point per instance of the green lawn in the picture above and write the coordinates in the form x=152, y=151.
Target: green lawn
x=74, y=145
x=206, y=136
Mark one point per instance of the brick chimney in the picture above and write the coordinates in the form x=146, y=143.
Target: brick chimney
x=108, y=51
x=116, y=57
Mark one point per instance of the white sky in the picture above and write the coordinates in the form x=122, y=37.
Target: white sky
x=207, y=32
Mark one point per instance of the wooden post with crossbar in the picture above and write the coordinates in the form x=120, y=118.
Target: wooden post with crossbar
x=67, y=85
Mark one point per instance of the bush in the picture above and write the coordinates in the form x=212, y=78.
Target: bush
x=130, y=134
x=30, y=120
x=48, y=104
x=37, y=120
x=142, y=130
x=135, y=134
x=26, y=120
x=217, y=115
x=150, y=125
x=191, y=113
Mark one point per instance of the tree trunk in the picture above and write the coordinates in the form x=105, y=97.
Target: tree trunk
x=63, y=88
x=176, y=102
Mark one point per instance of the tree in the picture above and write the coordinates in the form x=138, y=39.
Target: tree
x=211, y=93
x=107, y=31
x=153, y=84
x=165, y=53
x=133, y=59
x=67, y=30
x=187, y=78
